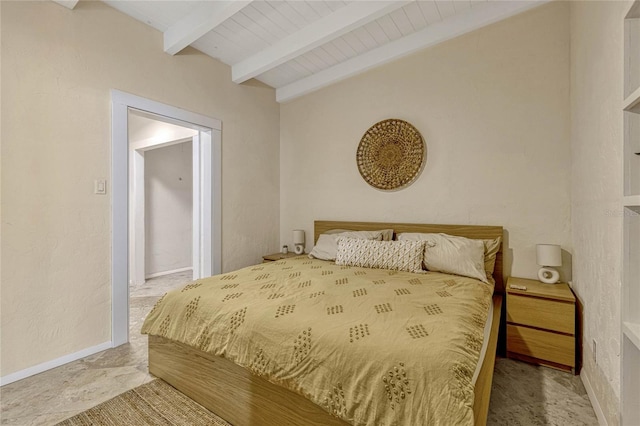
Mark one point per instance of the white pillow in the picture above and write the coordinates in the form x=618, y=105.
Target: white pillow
x=394, y=255
x=491, y=248
x=451, y=254
x=327, y=245
x=387, y=234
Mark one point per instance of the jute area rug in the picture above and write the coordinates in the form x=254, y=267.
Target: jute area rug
x=154, y=403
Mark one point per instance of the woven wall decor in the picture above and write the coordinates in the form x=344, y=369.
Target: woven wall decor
x=391, y=154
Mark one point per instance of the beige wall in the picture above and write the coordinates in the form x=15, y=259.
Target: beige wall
x=493, y=107
x=596, y=144
x=58, y=68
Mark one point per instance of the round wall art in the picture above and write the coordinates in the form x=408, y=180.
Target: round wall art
x=391, y=154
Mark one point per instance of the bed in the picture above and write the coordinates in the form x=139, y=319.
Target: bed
x=243, y=397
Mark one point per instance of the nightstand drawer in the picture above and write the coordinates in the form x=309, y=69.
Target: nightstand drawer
x=543, y=345
x=541, y=313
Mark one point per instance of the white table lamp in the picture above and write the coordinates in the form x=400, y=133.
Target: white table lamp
x=298, y=241
x=548, y=256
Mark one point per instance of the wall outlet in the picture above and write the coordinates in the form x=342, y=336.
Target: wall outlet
x=595, y=358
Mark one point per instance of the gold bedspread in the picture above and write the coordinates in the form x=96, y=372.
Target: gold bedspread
x=371, y=346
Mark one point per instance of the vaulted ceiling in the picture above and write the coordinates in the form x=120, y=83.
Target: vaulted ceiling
x=298, y=46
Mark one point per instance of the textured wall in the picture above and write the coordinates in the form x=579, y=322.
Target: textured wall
x=596, y=145
x=168, y=213
x=58, y=68
x=493, y=107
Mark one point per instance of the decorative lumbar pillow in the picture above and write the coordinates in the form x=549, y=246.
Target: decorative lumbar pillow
x=451, y=254
x=387, y=234
x=327, y=245
x=394, y=255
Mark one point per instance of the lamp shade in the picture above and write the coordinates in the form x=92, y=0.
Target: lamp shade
x=298, y=236
x=549, y=255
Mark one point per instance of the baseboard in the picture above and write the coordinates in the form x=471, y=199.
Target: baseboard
x=48, y=365
x=594, y=401
x=173, y=271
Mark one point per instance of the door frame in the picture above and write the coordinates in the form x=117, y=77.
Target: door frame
x=209, y=224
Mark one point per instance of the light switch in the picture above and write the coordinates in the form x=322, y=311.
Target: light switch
x=100, y=186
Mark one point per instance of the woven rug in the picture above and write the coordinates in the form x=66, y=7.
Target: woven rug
x=154, y=403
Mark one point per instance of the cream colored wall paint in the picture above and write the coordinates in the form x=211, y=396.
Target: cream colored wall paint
x=168, y=175
x=59, y=66
x=596, y=144
x=493, y=107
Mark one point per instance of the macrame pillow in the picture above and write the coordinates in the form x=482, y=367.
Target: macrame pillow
x=394, y=255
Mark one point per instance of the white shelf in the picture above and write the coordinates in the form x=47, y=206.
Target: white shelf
x=634, y=11
x=632, y=331
x=630, y=345
x=630, y=383
x=631, y=201
x=631, y=161
x=632, y=102
x=632, y=56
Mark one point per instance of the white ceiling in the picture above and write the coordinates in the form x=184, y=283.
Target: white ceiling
x=298, y=46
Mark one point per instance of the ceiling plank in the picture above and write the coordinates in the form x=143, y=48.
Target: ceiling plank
x=202, y=20
x=436, y=33
x=69, y=4
x=311, y=36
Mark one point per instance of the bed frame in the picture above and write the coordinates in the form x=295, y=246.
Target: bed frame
x=242, y=398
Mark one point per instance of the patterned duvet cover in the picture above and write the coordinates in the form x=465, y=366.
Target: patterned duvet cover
x=370, y=346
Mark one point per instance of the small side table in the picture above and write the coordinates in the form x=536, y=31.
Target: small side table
x=541, y=323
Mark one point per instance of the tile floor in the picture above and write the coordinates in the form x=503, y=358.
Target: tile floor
x=522, y=394
x=527, y=395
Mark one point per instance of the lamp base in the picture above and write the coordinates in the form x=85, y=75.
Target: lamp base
x=548, y=275
x=299, y=248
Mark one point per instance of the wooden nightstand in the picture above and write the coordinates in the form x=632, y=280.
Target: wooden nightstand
x=277, y=256
x=541, y=323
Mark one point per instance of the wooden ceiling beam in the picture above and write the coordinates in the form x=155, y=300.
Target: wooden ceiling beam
x=317, y=33
x=202, y=20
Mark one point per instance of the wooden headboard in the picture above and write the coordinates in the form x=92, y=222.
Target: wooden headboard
x=469, y=231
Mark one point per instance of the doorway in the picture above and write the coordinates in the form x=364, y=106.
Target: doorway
x=161, y=198
x=206, y=215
